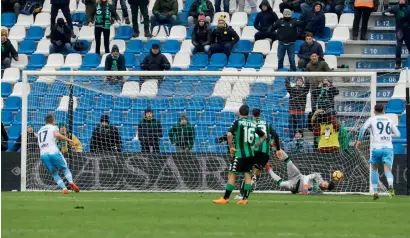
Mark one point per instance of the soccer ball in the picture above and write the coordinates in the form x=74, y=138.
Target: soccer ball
x=337, y=175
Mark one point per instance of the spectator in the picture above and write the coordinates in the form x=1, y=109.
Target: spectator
x=60, y=38
x=241, y=5
x=223, y=38
x=218, y=5
x=198, y=8
x=326, y=131
x=64, y=5
x=307, y=48
x=201, y=35
x=102, y=14
x=155, y=60
x=10, y=6
x=323, y=96
x=140, y=5
x=287, y=35
x=335, y=6
x=4, y=138
x=63, y=145
x=293, y=5
x=105, y=137
x=362, y=11
x=316, y=65
x=32, y=142
x=314, y=20
x=401, y=12
x=149, y=133
x=182, y=134
x=89, y=9
x=164, y=12
x=7, y=50
x=307, y=5
x=264, y=20
x=124, y=10
x=115, y=62
x=298, y=144
x=297, y=103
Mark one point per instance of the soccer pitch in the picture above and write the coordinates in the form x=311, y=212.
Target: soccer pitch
x=194, y=215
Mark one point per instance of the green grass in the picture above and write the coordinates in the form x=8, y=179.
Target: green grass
x=151, y=215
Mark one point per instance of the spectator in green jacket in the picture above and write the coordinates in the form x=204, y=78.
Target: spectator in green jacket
x=164, y=12
x=182, y=135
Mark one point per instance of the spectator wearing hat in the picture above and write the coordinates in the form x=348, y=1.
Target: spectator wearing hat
x=60, y=38
x=298, y=144
x=314, y=20
x=307, y=48
x=7, y=50
x=198, y=8
x=223, y=38
x=105, y=137
x=32, y=141
x=201, y=35
x=63, y=145
x=149, y=133
x=154, y=61
x=115, y=62
x=297, y=102
x=182, y=134
x=264, y=20
x=164, y=12
x=323, y=94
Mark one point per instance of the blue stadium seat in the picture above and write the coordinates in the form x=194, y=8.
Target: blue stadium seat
x=39, y=89
x=334, y=48
x=91, y=60
x=192, y=117
x=10, y=145
x=127, y=132
x=79, y=19
x=182, y=18
x=215, y=104
x=8, y=19
x=187, y=5
x=218, y=60
x=251, y=18
x=199, y=60
x=18, y=119
x=196, y=104
x=398, y=149
x=85, y=51
x=402, y=122
x=403, y=136
x=123, y=33
x=171, y=118
x=116, y=117
x=49, y=103
x=407, y=62
x=171, y=46
x=243, y=46
x=33, y=102
x=189, y=33
x=140, y=59
x=6, y=89
x=178, y=103
x=207, y=118
x=198, y=146
x=253, y=101
x=167, y=89
x=122, y=103
x=149, y=44
x=225, y=119
x=185, y=89
x=37, y=61
x=104, y=102
x=134, y=117
x=7, y=117
x=204, y=90
x=61, y=116
x=134, y=46
x=165, y=146
x=35, y=33
x=202, y=133
x=259, y=89
x=80, y=116
x=14, y=132
x=160, y=103
x=58, y=89
x=236, y=60
x=395, y=106
x=12, y=104
x=86, y=133
x=326, y=35
x=141, y=103
x=130, y=60
x=95, y=117
x=271, y=104
x=295, y=15
x=254, y=61
x=298, y=43
x=134, y=146
x=38, y=116
x=220, y=130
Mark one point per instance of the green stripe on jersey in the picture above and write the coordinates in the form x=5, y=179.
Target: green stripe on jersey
x=265, y=127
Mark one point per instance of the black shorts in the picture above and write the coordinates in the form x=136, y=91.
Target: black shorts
x=260, y=160
x=241, y=165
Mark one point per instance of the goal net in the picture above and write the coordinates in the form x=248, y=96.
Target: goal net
x=166, y=131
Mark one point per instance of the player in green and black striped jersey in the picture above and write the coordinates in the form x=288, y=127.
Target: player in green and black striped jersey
x=245, y=131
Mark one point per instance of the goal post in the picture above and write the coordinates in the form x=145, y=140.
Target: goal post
x=83, y=97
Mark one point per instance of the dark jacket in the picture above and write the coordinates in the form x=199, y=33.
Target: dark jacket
x=32, y=144
x=264, y=20
x=287, y=30
x=306, y=50
x=105, y=138
x=109, y=60
x=402, y=16
x=89, y=2
x=201, y=35
x=61, y=2
x=59, y=36
x=139, y=2
x=325, y=97
x=193, y=10
x=149, y=130
x=4, y=138
x=165, y=6
x=218, y=35
x=314, y=22
x=336, y=2
x=156, y=62
x=8, y=50
x=182, y=135
x=297, y=95
x=320, y=66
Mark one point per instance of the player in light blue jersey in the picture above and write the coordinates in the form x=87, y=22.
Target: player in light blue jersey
x=51, y=155
x=381, y=147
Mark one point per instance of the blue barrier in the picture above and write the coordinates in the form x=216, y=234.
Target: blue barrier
x=385, y=23
x=382, y=36
x=388, y=64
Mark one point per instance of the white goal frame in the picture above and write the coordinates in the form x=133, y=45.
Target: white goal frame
x=26, y=74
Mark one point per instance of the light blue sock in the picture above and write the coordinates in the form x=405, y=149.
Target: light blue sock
x=68, y=175
x=389, y=177
x=58, y=180
x=375, y=180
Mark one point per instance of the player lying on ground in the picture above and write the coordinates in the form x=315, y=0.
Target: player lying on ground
x=51, y=155
x=299, y=183
x=243, y=152
x=381, y=147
